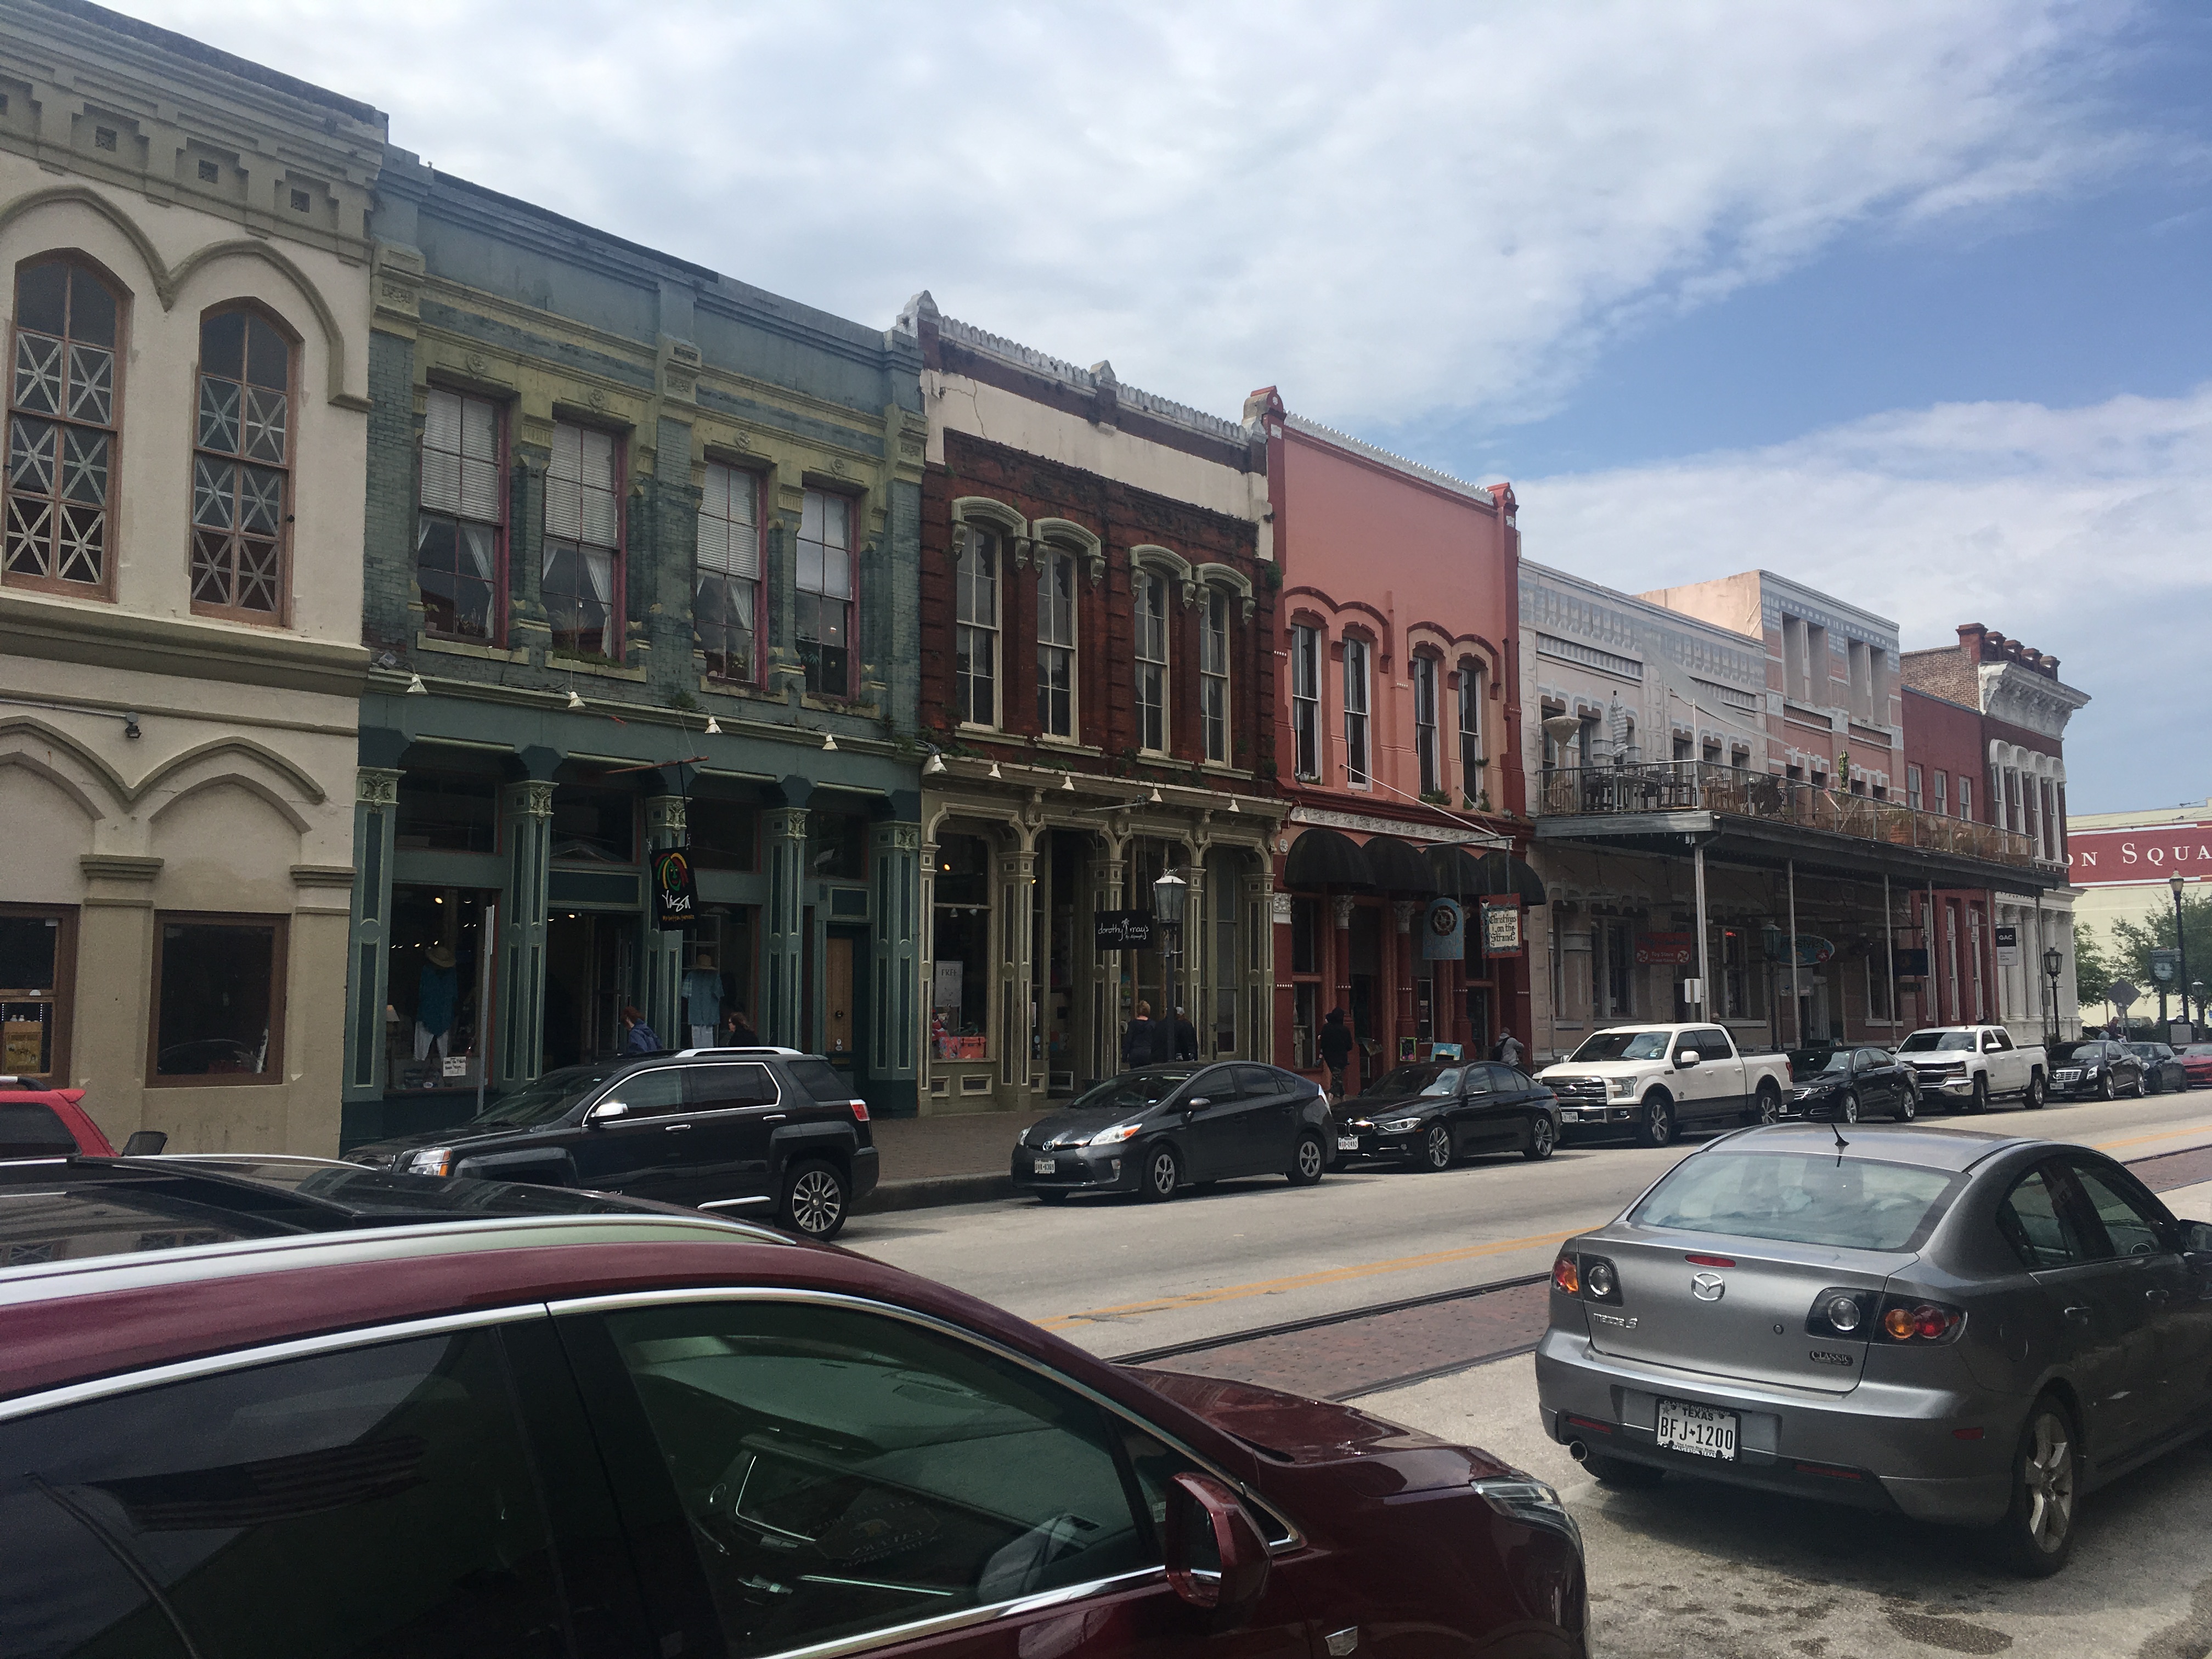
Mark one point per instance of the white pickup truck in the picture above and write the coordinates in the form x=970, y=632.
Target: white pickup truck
x=1970, y=1066
x=1661, y=1079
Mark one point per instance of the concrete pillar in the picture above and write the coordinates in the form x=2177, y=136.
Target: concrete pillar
x=525, y=812
x=661, y=957
x=783, y=947
x=375, y=811
x=899, y=1013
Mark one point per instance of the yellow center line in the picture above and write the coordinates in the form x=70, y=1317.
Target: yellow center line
x=2138, y=1140
x=1304, y=1281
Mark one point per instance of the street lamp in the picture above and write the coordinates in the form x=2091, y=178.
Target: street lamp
x=1167, y=898
x=2053, y=960
x=2181, y=943
x=1168, y=895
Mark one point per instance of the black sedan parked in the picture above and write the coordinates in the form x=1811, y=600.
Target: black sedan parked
x=1432, y=1112
x=1161, y=1128
x=1853, y=1083
x=2162, y=1068
x=2096, y=1066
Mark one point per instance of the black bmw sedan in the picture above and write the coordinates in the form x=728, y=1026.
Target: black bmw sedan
x=1161, y=1128
x=1432, y=1112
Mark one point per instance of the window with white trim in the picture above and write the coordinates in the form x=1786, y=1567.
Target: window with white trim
x=1356, y=758
x=241, y=467
x=583, y=562
x=1965, y=796
x=975, y=631
x=726, y=595
x=1213, y=675
x=1912, y=787
x=1943, y=782
x=1151, y=597
x=1470, y=729
x=1425, y=726
x=463, y=509
x=62, y=424
x=825, y=594
x=1305, y=701
x=1056, y=644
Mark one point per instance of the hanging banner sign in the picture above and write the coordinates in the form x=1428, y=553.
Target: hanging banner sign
x=1501, y=927
x=1812, y=951
x=675, y=895
x=2007, y=942
x=1122, y=930
x=1443, y=931
x=1911, y=961
x=1666, y=949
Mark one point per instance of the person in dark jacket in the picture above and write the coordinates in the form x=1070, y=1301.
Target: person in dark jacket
x=1137, y=1042
x=638, y=1037
x=1186, y=1037
x=1336, y=1050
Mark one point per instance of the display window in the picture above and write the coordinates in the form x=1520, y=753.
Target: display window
x=434, y=1037
x=960, y=982
x=218, y=1000
x=717, y=985
x=38, y=966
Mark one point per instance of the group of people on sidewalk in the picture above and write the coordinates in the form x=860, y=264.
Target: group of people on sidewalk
x=1149, y=1041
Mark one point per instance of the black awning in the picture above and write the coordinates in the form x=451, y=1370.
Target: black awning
x=1397, y=867
x=1503, y=873
x=1493, y=875
x=1324, y=858
x=1456, y=870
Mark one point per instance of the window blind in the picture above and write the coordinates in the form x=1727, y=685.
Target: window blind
x=460, y=456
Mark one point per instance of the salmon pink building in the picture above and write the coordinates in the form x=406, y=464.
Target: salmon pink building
x=1399, y=720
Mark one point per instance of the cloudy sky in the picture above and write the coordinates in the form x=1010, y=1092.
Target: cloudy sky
x=1902, y=298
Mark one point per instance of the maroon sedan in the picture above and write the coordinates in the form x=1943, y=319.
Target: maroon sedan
x=229, y=1428
x=2196, y=1061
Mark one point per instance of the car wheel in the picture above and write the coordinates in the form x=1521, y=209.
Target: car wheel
x=1658, y=1128
x=2033, y=1099
x=1768, y=1109
x=1979, y=1101
x=1849, y=1111
x=1435, y=1148
x=1908, y=1107
x=1543, y=1139
x=2037, y=1533
x=1046, y=1195
x=1616, y=1472
x=2142, y=1086
x=1163, y=1176
x=2104, y=1090
x=814, y=1199
x=1309, y=1163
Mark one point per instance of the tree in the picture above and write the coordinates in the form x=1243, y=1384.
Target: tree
x=2092, y=972
x=2134, y=941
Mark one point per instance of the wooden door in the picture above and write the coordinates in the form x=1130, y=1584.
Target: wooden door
x=838, y=1033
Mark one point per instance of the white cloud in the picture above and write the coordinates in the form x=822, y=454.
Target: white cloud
x=1389, y=210
x=2083, y=531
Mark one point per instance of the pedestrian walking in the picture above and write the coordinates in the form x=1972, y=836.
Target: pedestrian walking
x=1186, y=1037
x=638, y=1037
x=1137, y=1041
x=737, y=1032
x=1336, y=1050
x=1508, y=1051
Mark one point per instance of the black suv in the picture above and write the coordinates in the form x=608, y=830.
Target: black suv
x=721, y=1129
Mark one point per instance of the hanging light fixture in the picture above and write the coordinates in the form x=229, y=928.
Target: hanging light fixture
x=1067, y=781
x=416, y=688
x=714, y=727
x=934, y=765
x=575, y=702
x=829, y=743
x=994, y=770
x=1153, y=800
x=1233, y=806
x=1168, y=894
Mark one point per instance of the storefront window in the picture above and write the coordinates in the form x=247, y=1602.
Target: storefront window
x=448, y=812
x=960, y=982
x=1305, y=1023
x=717, y=985
x=836, y=845
x=218, y=1000
x=36, y=967
x=1221, y=871
x=722, y=833
x=434, y=975
x=594, y=826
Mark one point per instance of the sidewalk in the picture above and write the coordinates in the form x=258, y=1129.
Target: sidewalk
x=962, y=1158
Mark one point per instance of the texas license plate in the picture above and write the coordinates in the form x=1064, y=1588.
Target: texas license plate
x=1698, y=1430
x=1347, y=1142
x=1042, y=1166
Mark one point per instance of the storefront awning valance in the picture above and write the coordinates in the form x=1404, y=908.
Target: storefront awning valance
x=1325, y=858
x=1396, y=867
x=1491, y=875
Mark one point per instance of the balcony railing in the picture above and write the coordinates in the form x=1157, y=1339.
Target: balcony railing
x=1702, y=786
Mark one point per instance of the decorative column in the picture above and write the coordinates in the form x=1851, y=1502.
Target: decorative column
x=1197, y=943
x=375, y=808
x=1016, y=879
x=663, y=958
x=783, y=951
x=900, y=1013
x=1258, y=977
x=1111, y=877
x=525, y=826
x=1402, y=911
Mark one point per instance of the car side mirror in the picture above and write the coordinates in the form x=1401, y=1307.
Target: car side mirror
x=2196, y=1237
x=1216, y=1558
x=607, y=1111
x=1687, y=1057
x=145, y=1143
x=1195, y=1101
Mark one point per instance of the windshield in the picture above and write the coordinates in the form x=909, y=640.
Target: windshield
x=1805, y=1198
x=2148, y=1050
x=550, y=1098
x=2078, y=1051
x=1624, y=1045
x=1923, y=1042
x=1419, y=1080
x=1811, y=1062
x=1133, y=1091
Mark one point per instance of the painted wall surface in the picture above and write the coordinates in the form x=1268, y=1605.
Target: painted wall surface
x=1941, y=737
x=194, y=182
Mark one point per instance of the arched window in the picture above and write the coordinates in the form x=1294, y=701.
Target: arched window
x=976, y=617
x=1213, y=675
x=1056, y=643
x=1151, y=605
x=1425, y=734
x=1305, y=702
x=63, y=419
x=1356, y=760
x=1470, y=728
x=241, y=467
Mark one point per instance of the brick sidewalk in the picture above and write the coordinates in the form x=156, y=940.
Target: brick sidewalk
x=962, y=1158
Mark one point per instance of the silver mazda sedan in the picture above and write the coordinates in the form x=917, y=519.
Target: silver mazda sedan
x=1961, y=1327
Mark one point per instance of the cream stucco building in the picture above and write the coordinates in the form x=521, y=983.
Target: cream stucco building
x=183, y=253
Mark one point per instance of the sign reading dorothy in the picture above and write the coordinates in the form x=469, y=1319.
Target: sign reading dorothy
x=1122, y=930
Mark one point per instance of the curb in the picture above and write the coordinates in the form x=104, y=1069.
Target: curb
x=929, y=1192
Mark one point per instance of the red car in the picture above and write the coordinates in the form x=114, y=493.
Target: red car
x=245, y=1410
x=46, y=1122
x=2196, y=1060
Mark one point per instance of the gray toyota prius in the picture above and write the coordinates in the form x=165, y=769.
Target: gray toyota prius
x=1959, y=1327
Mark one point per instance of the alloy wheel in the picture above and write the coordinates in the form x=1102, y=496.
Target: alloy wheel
x=1437, y=1147
x=1850, y=1108
x=2033, y=1099
x=1770, y=1106
x=2048, y=1473
x=1658, y=1123
x=1311, y=1160
x=2104, y=1090
x=817, y=1201
x=1542, y=1138
x=1162, y=1175
x=1908, y=1109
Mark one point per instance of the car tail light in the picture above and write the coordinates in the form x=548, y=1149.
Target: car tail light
x=1842, y=1312
x=1601, y=1280
x=1917, y=1321
x=1567, y=1275
x=860, y=1110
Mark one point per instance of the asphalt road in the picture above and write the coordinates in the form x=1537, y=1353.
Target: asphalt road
x=1116, y=1275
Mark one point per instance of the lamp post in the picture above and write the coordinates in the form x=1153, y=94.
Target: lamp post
x=2197, y=990
x=2053, y=960
x=1168, y=895
x=2181, y=944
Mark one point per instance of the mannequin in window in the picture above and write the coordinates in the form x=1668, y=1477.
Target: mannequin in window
x=702, y=998
x=434, y=994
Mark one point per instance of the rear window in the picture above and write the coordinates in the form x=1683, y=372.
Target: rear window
x=819, y=1078
x=1851, y=1203
x=30, y=1129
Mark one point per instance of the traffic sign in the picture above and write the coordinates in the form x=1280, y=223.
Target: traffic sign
x=2120, y=994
